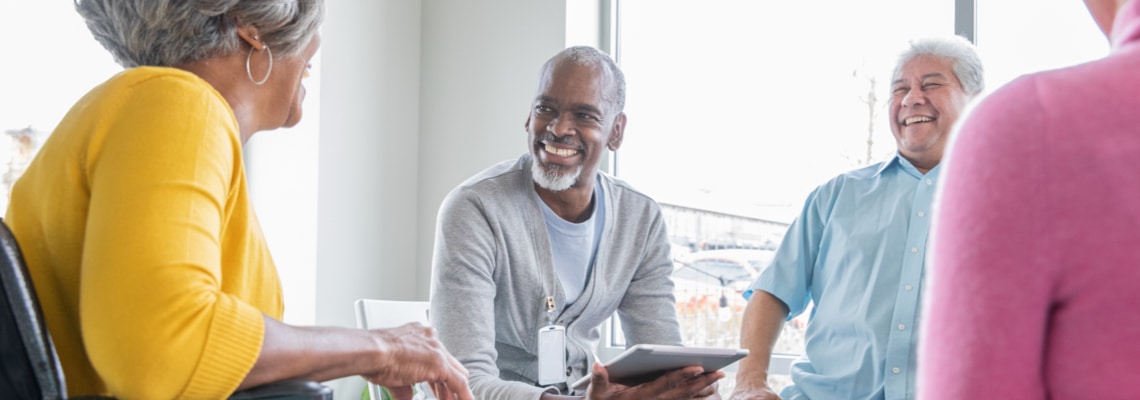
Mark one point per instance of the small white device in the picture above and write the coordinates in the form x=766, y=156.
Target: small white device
x=551, y=355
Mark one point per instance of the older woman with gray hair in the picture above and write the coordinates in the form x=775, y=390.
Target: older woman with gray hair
x=136, y=222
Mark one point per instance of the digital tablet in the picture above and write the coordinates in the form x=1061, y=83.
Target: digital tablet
x=645, y=362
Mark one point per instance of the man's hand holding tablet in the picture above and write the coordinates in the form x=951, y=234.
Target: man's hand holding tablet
x=660, y=372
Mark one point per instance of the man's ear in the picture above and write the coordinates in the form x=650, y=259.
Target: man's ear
x=526, y=125
x=251, y=36
x=617, y=133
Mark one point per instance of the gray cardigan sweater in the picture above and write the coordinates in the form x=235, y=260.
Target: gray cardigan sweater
x=493, y=267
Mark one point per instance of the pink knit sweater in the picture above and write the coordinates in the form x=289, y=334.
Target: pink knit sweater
x=1035, y=267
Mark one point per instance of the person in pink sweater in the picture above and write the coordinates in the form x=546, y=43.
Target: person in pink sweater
x=1035, y=265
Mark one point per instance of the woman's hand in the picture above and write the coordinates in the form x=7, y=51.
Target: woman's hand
x=410, y=354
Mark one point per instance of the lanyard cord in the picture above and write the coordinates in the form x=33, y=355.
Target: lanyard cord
x=546, y=272
x=549, y=284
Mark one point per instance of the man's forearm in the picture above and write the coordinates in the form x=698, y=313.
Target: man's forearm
x=763, y=319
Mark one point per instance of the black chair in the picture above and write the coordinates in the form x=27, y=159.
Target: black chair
x=31, y=368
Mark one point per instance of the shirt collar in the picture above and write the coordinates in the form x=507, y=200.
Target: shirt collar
x=1126, y=26
x=887, y=164
x=906, y=166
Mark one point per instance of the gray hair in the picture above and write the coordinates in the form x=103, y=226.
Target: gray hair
x=172, y=32
x=589, y=56
x=963, y=55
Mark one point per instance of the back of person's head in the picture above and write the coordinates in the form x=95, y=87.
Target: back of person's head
x=589, y=56
x=964, y=56
x=173, y=32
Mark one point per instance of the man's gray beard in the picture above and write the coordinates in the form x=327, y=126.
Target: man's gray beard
x=550, y=178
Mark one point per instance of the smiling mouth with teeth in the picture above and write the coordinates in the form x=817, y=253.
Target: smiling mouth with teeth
x=560, y=152
x=915, y=120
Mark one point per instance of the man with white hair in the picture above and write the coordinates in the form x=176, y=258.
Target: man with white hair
x=533, y=255
x=857, y=250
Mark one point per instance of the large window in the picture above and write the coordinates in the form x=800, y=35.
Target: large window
x=743, y=106
x=41, y=76
x=1017, y=37
x=738, y=109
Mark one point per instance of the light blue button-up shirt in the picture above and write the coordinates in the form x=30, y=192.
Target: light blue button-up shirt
x=857, y=252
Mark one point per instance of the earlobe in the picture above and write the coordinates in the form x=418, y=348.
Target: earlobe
x=618, y=133
x=251, y=36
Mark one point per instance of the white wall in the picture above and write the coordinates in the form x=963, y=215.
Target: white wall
x=368, y=140
x=479, y=75
x=415, y=97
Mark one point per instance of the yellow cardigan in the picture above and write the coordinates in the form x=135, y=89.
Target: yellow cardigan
x=137, y=227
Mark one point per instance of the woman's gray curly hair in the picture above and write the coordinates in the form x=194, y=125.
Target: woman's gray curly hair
x=172, y=32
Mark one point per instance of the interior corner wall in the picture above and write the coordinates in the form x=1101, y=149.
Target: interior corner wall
x=416, y=96
x=480, y=63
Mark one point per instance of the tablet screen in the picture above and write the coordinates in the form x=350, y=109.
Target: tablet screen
x=645, y=362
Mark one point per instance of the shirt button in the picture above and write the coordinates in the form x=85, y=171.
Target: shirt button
x=908, y=287
x=902, y=327
x=895, y=370
x=929, y=182
x=913, y=249
x=568, y=371
x=921, y=214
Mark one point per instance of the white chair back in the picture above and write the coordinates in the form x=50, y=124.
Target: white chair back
x=381, y=314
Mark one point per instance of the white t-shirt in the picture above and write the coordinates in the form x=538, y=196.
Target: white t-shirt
x=574, y=245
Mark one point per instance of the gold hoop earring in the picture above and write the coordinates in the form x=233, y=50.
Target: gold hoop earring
x=267, y=72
